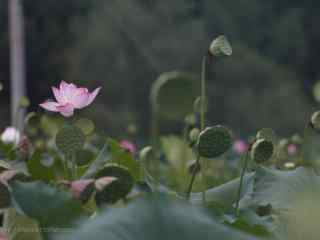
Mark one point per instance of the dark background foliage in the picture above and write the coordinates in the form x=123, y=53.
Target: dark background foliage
x=124, y=45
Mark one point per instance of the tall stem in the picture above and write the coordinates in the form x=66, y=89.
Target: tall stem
x=244, y=169
x=193, y=177
x=203, y=116
x=203, y=92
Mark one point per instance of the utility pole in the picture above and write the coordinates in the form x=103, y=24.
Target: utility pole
x=17, y=61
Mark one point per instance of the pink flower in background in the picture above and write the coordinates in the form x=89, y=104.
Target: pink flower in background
x=11, y=135
x=240, y=146
x=129, y=146
x=292, y=149
x=3, y=236
x=70, y=97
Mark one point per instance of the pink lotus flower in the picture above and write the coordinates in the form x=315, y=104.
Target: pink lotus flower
x=70, y=97
x=129, y=146
x=79, y=186
x=292, y=149
x=240, y=146
x=3, y=236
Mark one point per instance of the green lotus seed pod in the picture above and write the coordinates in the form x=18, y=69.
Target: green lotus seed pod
x=86, y=125
x=4, y=196
x=194, y=134
x=146, y=153
x=267, y=134
x=197, y=105
x=220, y=47
x=214, y=141
x=117, y=189
x=262, y=150
x=190, y=120
x=173, y=94
x=315, y=120
x=70, y=139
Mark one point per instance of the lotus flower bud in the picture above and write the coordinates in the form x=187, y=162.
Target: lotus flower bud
x=3, y=236
x=292, y=149
x=214, y=141
x=82, y=189
x=10, y=135
x=315, y=120
x=220, y=47
x=4, y=196
x=128, y=146
x=262, y=150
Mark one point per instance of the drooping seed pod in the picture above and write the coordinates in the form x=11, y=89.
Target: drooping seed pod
x=267, y=134
x=11, y=175
x=220, y=47
x=214, y=141
x=262, y=150
x=4, y=196
x=70, y=139
x=315, y=120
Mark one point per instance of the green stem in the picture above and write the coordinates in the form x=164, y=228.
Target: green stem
x=203, y=115
x=193, y=177
x=244, y=169
x=203, y=92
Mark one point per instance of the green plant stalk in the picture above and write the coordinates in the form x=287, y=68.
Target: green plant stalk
x=193, y=177
x=244, y=169
x=203, y=117
x=74, y=173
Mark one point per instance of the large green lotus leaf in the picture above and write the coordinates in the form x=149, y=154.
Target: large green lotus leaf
x=155, y=219
x=37, y=170
x=293, y=197
x=310, y=148
x=173, y=94
x=49, y=206
x=20, y=227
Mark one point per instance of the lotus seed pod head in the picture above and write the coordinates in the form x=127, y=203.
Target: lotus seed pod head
x=220, y=47
x=197, y=105
x=146, y=153
x=315, y=120
x=267, y=134
x=194, y=135
x=4, y=196
x=262, y=150
x=214, y=141
x=70, y=139
x=240, y=147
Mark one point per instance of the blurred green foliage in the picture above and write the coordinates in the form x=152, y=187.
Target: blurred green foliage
x=125, y=45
